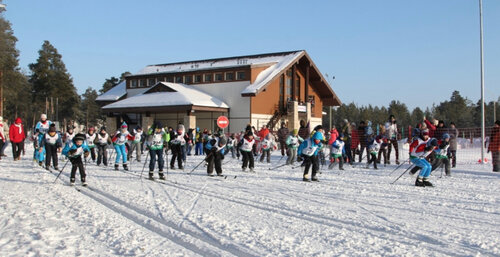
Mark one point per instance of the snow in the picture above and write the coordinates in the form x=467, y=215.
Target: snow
x=114, y=93
x=184, y=95
x=356, y=212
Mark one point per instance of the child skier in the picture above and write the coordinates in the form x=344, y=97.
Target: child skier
x=373, y=149
x=231, y=145
x=419, y=149
x=102, y=141
x=337, y=152
x=52, y=143
x=215, y=155
x=292, y=142
x=136, y=144
x=69, y=135
x=308, y=150
x=266, y=146
x=158, y=140
x=177, y=143
x=246, y=145
x=121, y=137
x=74, y=150
x=91, y=136
x=441, y=153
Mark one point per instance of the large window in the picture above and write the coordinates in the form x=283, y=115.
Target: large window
x=188, y=79
x=170, y=79
x=289, y=82
x=151, y=82
x=197, y=78
x=133, y=83
x=207, y=77
x=240, y=75
x=178, y=79
x=142, y=83
x=218, y=77
x=229, y=76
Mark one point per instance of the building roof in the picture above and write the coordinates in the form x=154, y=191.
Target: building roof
x=114, y=93
x=227, y=62
x=164, y=95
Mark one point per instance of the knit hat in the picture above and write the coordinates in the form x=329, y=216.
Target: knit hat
x=425, y=132
x=103, y=128
x=446, y=135
x=157, y=125
x=295, y=131
x=318, y=136
x=124, y=125
x=70, y=127
x=18, y=120
x=52, y=129
x=43, y=116
x=249, y=133
x=91, y=129
x=78, y=137
x=1, y=118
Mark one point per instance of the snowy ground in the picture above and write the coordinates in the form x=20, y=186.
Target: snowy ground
x=356, y=212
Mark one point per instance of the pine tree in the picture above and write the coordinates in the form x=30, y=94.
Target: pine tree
x=92, y=110
x=50, y=79
x=16, y=89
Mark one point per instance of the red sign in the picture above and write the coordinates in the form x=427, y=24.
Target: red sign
x=222, y=122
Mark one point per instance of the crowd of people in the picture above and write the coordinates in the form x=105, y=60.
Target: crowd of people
x=432, y=145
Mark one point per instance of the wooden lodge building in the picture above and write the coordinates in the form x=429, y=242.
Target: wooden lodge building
x=258, y=89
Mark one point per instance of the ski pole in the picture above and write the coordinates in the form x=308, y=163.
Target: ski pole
x=200, y=163
x=397, y=167
x=275, y=167
x=166, y=160
x=61, y=170
x=411, y=166
x=144, y=166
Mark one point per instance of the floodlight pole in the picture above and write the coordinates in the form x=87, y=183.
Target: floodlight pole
x=482, y=78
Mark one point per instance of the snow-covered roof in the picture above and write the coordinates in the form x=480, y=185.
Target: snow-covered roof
x=114, y=93
x=182, y=95
x=229, y=62
x=268, y=74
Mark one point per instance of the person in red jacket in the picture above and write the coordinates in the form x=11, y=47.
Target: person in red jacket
x=17, y=136
x=494, y=146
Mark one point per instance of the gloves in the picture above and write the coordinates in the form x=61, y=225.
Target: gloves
x=72, y=151
x=299, y=158
x=86, y=154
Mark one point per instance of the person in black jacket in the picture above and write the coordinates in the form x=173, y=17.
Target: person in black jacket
x=52, y=142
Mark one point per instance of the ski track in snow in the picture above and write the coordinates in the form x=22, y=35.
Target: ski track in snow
x=355, y=212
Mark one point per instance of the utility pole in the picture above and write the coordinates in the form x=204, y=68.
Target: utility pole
x=1, y=93
x=482, y=77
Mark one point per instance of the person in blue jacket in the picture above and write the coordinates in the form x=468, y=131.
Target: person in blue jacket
x=74, y=151
x=215, y=154
x=308, y=150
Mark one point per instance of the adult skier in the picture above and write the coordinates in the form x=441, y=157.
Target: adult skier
x=419, y=149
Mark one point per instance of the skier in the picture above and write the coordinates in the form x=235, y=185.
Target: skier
x=347, y=132
x=293, y=141
x=419, y=148
x=136, y=144
x=69, y=135
x=337, y=151
x=121, y=137
x=215, y=154
x=391, y=132
x=102, y=141
x=494, y=146
x=176, y=143
x=52, y=143
x=17, y=136
x=74, y=150
x=158, y=140
x=231, y=145
x=309, y=151
x=245, y=145
x=198, y=149
x=43, y=125
x=453, y=132
x=373, y=149
x=90, y=140
x=383, y=149
x=283, y=133
x=441, y=153
x=266, y=146
x=362, y=139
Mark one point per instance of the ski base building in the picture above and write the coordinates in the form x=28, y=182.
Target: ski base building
x=265, y=89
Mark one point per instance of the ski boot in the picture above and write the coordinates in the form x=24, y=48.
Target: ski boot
x=72, y=181
x=419, y=182
x=151, y=176
x=162, y=177
x=305, y=178
x=427, y=183
x=314, y=178
x=84, y=182
x=125, y=167
x=116, y=166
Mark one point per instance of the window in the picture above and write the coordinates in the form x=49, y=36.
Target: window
x=297, y=87
x=151, y=82
x=240, y=75
x=161, y=79
x=188, y=79
x=170, y=79
x=229, y=76
x=208, y=77
x=178, y=79
x=197, y=78
x=133, y=83
x=218, y=77
x=142, y=83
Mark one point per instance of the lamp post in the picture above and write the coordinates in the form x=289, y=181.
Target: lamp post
x=482, y=77
x=2, y=6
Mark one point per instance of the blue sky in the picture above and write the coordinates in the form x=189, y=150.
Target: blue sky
x=417, y=52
